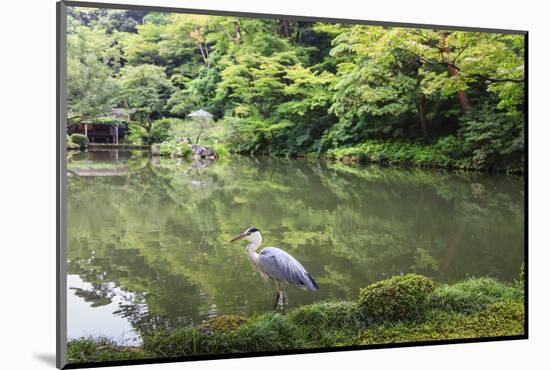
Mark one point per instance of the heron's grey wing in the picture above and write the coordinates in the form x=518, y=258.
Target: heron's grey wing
x=281, y=266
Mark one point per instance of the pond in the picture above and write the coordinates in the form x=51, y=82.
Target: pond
x=148, y=237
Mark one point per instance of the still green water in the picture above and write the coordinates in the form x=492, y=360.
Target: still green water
x=147, y=237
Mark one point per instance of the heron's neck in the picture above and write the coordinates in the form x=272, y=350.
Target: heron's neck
x=253, y=246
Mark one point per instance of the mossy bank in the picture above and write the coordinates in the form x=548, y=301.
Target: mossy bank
x=408, y=308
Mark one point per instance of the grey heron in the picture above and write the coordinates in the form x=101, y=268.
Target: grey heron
x=275, y=264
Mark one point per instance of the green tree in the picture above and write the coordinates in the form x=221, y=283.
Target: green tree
x=201, y=124
x=92, y=89
x=291, y=87
x=145, y=90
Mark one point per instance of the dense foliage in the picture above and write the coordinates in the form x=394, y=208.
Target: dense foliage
x=283, y=87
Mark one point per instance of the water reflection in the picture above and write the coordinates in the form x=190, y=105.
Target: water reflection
x=159, y=228
x=106, y=301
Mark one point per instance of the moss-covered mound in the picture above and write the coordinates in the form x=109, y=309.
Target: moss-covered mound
x=399, y=298
x=498, y=319
x=224, y=323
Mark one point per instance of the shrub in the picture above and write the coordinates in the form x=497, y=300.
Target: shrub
x=495, y=138
x=175, y=149
x=453, y=147
x=136, y=134
x=220, y=149
x=71, y=145
x=81, y=140
x=472, y=295
x=399, y=298
x=402, y=152
x=159, y=131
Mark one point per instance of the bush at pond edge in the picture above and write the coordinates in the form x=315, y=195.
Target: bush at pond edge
x=399, y=298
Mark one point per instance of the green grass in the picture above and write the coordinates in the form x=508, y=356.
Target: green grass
x=472, y=308
x=102, y=349
x=472, y=295
x=268, y=332
x=328, y=324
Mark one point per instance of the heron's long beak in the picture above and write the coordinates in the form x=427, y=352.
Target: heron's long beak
x=239, y=237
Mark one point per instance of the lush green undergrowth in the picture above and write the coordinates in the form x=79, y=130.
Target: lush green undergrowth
x=417, y=154
x=171, y=148
x=406, y=308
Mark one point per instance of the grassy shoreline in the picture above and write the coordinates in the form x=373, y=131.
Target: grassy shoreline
x=399, y=310
x=400, y=154
x=403, y=154
x=419, y=155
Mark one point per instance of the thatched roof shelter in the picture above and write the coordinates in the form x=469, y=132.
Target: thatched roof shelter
x=201, y=113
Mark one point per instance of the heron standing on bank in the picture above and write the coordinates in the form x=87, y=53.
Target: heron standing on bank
x=277, y=265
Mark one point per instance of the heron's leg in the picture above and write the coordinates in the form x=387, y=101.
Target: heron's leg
x=284, y=299
x=276, y=301
x=280, y=296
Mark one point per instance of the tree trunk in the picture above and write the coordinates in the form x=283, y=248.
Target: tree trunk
x=284, y=27
x=201, y=45
x=423, y=118
x=462, y=96
x=237, y=30
x=202, y=52
x=198, y=136
x=148, y=124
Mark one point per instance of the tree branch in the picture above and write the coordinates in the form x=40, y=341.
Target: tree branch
x=460, y=52
x=419, y=57
x=222, y=28
x=453, y=65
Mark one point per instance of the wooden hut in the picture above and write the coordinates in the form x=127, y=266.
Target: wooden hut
x=110, y=128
